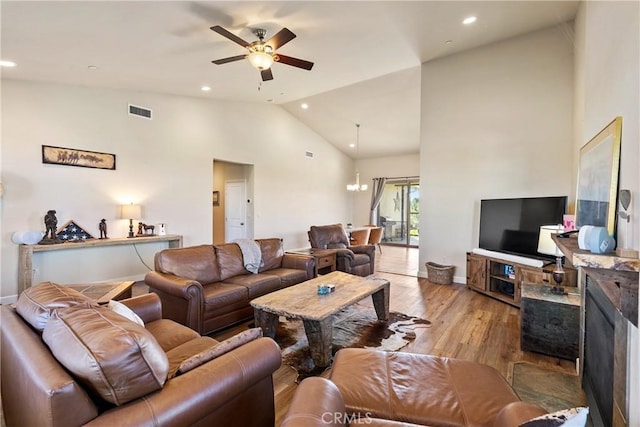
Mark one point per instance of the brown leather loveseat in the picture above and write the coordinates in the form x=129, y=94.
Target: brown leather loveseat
x=378, y=388
x=68, y=362
x=208, y=288
x=359, y=260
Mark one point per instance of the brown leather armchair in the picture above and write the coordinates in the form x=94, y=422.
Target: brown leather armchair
x=393, y=388
x=358, y=259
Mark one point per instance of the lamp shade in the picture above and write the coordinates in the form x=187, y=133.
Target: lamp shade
x=130, y=211
x=260, y=60
x=545, y=244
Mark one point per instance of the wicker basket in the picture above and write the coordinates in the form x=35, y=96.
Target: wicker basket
x=441, y=274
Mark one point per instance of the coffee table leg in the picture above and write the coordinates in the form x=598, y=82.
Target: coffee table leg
x=381, y=302
x=268, y=322
x=319, y=336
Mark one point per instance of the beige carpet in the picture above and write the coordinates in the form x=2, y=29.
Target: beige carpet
x=553, y=390
x=355, y=326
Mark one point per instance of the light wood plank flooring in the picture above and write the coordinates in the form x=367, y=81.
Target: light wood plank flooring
x=466, y=325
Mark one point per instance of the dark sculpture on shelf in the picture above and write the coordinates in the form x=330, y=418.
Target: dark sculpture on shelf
x=145, y=230
x=103, y=228
x=51, y=225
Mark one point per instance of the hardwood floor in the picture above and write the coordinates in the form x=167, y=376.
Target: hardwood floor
x=466, y=325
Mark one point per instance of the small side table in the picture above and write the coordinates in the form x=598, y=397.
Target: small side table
x=102, y=293
x=325, y=258
x=550, y=323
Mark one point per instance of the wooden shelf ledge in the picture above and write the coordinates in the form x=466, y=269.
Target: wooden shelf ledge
x=582, y=258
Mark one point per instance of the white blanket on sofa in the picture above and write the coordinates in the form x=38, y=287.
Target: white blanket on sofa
x=251, y=254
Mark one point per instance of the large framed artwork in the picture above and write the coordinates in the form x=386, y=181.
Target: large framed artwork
x=81, y=158
x=598, y=179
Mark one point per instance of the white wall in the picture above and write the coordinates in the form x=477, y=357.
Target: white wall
x=496, y=122
x=608, y=67
x=383, y=167
x=165, y=164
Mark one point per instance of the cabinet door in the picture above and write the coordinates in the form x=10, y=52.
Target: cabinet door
x=476, y=272
x=537, y=276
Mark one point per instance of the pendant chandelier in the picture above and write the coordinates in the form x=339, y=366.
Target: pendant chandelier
x=357, y=186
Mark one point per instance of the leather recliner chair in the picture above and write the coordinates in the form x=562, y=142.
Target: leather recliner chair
x=358, y=259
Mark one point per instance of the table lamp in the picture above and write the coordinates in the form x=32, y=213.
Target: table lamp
x=547, y=246
x=130, y=212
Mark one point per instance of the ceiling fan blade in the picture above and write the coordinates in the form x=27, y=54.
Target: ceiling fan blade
x=218, y=29
x=295, y=62
x=229, y=59
x=281, y=38
x=266, y=75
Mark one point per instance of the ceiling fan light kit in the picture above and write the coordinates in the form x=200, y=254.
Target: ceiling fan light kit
x=260, y=60
x=263, y=54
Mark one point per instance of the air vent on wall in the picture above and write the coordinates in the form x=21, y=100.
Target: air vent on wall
x=308, y=154
x=134, y=110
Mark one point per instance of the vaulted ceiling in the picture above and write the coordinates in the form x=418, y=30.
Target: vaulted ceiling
x=367, y=54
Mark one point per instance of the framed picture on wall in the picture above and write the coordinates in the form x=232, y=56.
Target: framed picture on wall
x=596, y=197
x=81, y=158
x=216, y=198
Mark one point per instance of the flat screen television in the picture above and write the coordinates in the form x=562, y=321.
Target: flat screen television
x=512, y=225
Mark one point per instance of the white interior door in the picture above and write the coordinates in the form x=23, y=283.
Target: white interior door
x=235, y=210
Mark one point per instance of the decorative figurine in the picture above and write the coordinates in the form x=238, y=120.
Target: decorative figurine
x=103, y=228
x=145, y=230
x=50, y=224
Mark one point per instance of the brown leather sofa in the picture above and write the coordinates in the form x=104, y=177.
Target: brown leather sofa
x=356, y=259
x=377, y=388
x=208, y=288
x=43, y=382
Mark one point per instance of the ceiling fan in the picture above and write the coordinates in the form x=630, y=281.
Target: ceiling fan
x=263, y=54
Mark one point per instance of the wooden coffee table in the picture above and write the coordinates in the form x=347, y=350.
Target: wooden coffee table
x=302, y=301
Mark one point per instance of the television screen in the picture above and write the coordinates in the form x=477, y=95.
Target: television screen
x=513, y=225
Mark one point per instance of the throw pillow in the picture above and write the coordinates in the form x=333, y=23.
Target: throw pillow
x=574, y=417
x=218, y=350
x=38, y=303
x=114, y=357
x=125, y=311
x=179, y=354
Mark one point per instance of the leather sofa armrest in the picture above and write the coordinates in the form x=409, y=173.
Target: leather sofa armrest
x=346, y=253
x=364, y=249
x=199, y=393
x=182, y=299
x=316, y=402
x=147, y=306
x=300, y=262
x=517, y=413
x=174, y=285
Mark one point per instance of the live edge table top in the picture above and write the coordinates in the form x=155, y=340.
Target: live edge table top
x=302, y=300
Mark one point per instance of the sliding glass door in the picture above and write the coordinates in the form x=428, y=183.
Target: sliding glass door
x=399, y=212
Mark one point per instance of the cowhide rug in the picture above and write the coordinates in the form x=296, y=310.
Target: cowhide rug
x=355, y=326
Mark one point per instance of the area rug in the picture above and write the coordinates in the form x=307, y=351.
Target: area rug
x=355, y=326
x=551, y=389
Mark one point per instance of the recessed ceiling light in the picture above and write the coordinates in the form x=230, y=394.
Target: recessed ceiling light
x=448, y=42
x=7, y=64
x=469, y=20
x=205, y=88
x=352, y=145
x=304, y=106
x=92, y=67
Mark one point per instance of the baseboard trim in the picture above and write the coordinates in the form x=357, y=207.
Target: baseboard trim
x=10, y=299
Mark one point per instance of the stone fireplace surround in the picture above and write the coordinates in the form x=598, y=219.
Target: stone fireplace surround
x=609, y=293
